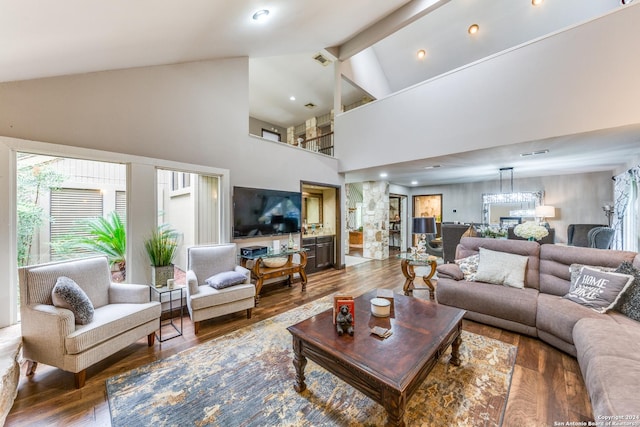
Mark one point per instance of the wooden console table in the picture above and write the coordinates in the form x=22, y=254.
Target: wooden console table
x=260, y=272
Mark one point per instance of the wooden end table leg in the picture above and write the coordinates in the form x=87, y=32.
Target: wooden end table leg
x=455, y=351
x=299, y=363
x=427, y=280
x=409, y=274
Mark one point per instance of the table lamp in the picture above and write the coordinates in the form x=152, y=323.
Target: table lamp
x=543, y=212
x=423, y=226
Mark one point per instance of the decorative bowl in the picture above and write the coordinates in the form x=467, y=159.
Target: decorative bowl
x=380, y=307
x=274, y=262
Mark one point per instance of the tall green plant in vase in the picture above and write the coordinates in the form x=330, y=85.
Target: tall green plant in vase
x=161, y=248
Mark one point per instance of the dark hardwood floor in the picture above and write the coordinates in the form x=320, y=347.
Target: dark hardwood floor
x=547, y=386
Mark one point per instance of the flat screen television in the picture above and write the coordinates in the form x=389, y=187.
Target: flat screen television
x=262, y=212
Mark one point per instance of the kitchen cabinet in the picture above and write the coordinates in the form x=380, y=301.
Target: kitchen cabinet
x=320, y=252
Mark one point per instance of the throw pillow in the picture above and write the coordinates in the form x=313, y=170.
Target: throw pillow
x=450, y=271
x=469, y=267
x=67, y=294
x=225, y=279
x=501, y=268
x=629, y=302
x=599, y=290
x=576, y=269
x=471, y=232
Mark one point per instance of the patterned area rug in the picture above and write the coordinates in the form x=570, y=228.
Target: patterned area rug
x=246, y=378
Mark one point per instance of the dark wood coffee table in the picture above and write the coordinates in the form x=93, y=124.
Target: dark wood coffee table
x=388, y=371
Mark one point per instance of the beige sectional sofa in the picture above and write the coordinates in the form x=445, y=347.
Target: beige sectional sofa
x=607, y=345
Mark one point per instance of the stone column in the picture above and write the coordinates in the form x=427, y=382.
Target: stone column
x=375, y=195
x=291, y=136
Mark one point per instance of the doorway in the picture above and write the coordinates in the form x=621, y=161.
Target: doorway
x=321, y=231
x=355, y=239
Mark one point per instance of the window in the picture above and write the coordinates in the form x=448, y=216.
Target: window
x=631, y=220
x=180, y=180
x=272, y=136
x=70, y=208
x=57, y=200
x=193, y=212
x=55, y=195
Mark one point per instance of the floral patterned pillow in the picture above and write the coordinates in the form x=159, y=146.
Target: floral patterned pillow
x=469, y=267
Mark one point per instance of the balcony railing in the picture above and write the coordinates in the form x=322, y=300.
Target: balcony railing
x=321, y=144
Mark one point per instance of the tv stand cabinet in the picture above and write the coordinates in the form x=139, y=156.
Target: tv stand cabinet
x=260, y=273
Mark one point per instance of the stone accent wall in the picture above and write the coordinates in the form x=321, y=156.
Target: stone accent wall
x=375, y=195
x=291, y=136
x=9, y=373
x=312, y=128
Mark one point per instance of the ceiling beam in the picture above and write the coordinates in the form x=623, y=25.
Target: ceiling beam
x=388, y=25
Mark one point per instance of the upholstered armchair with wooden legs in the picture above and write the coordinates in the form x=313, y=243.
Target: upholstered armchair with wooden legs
x=68, y=338
x=216, y=285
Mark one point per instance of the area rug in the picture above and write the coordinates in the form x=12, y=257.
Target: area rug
x=246, y=378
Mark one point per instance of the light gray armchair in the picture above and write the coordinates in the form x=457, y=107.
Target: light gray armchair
x=433, y=249
x=205, y=301
x=601, y=237
x=577, y=234
x=123, y=314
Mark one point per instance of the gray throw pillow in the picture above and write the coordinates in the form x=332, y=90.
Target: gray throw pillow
x=629, y=302
x=599, y=290
x=576, y=269
x=225, y=279
x=501, y=268
x=67, y=294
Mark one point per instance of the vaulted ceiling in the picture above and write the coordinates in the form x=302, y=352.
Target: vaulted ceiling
x=44, y=39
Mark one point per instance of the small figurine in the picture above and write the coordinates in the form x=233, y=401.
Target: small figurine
x=344, y=321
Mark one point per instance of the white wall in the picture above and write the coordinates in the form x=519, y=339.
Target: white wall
x=575, y=81
x=578, y=198
x=194, y=114
x=364, y=70
x=8, y=256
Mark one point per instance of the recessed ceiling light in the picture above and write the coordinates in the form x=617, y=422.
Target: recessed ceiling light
x=536, y=2
x=473, y=29
x=260, y=15
x=383, y=175
x=292, y=98
x=414, y=182
x=432, y=167
x=421, y=54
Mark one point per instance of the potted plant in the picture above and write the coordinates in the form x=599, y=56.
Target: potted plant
x=107, y=236
x=161, y=248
